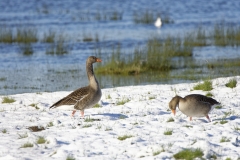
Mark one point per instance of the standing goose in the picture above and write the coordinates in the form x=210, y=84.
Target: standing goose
x=85, y=97
x=193, y=105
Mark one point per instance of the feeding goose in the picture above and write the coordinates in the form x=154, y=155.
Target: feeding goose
x=85, y=97
x=193, y=105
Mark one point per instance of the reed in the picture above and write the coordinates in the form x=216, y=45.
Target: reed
x=6, y=35
x=26, y=49
x=59, y=47
x=21, y=35
x=156, y=55
x=26, y=35
x=148, y=17
x=49, y=37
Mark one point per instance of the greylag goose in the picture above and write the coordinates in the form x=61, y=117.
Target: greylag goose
x=85, y=97
x=193, y=105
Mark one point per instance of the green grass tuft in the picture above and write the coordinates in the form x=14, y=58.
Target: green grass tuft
x=223, y=121
x=8, y=100
x=168, y=132
x=4, y=131
x=209, y=94
x=224, y=139
x=122, y=101
x=87, y=125
x=70, y=158
x=121, y=138
x=189, y=154
x=26, y=145
x=25, y=135
x=170, y=120
x=34, y=105
x=50, y=124
x=41, y=140
x=97, y=106
x=218, y=107
x=205, y=86
x=232, y=83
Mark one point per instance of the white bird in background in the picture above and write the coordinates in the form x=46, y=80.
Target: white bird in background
x=158, y=22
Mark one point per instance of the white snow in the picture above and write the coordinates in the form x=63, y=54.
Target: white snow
x=144, y=118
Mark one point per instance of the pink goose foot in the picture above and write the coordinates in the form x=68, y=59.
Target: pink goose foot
x=74, y=111
x=208, y=118
x=82, y=113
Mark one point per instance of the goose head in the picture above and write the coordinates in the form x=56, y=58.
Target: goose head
x=174, y=103
x=93, y=59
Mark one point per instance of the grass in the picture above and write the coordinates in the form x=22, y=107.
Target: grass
x=205, y=86
x=224, y=35
x=87, y=125
x=41, y=140
x=6, y=35
x=88, y=119
x=8, y=100
x=121, y=138
x=236, y=128
x=59, y=47
x=49, y=37
x=168, y=132
x=148, y=17
x=223, y=121
x=3, y=79
x=26, y=35
x=4, y=131
x=21, y=136
x=224, y=139
x=97, y=106
x=26, y=49
x=122, y=101
x=70, y=158
x=34, y=105
x=151, y=97
x=155, y=153
x=156, y=55
x=218, y=107
x=209, y=94
x=170, y=120
x=188, y=126
x=27, y=145
x=189, y=154
x=50, y=124
x=232, y=83
x=20, y=35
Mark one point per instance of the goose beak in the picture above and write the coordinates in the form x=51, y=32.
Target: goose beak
x=174, y=112
x=98, y=60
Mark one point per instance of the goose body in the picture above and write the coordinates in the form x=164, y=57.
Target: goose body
x=85, y=97
x=158, y=22
x=193, y=105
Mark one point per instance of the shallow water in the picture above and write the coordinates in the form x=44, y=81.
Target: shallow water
x=41, y=72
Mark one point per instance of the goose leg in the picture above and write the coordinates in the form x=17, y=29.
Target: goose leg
x=82, y=113
x=208, y=118
x=73, y=112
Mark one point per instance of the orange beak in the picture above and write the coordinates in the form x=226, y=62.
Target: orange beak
x=99, y=60
x=174, y=112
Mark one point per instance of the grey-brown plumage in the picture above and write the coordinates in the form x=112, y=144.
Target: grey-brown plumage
x=85, y=97
x=194, y=105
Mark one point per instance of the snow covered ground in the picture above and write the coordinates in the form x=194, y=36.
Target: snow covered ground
x=144, y=118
